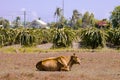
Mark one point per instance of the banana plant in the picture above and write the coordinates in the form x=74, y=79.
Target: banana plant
x=62, y=37
x=114, y=36
x=93, y=37
x=25, y=37
x=1, y=40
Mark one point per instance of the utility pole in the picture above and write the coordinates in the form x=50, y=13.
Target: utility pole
x=63, y=6
x=24, y=18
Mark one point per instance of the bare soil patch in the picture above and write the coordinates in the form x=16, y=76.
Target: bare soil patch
x=94, y=66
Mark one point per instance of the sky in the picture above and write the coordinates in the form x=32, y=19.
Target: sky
x=45, y=9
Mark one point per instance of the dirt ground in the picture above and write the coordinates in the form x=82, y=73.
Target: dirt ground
x=94, y=66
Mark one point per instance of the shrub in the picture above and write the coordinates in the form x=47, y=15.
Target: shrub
x=114, y=36
x=43, y=36
x=93, y=37
x=62, y=37
x=27, y=38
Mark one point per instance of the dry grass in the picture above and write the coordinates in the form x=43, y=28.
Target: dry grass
x=94, y=66
x=102, y=64
x=40, y=49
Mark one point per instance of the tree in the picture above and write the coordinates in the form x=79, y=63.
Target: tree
x=91, y=20
x=61, y=21
x=78, y=23
x=85, y=19
x=17, y=22
x=75, y=17
x=4, y=22
x=58, y=13
x=115, y=17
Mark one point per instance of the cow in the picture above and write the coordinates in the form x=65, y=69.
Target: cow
x=61, y=63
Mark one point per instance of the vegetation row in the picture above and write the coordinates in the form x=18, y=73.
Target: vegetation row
x=88, y=37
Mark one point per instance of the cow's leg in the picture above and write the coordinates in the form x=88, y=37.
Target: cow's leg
x=65, y=68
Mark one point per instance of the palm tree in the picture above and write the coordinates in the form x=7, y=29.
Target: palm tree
x=61, y=21
x=91, y=20
x=75, y=17
x=58, y=13
x=85, y=19
x=17, y=22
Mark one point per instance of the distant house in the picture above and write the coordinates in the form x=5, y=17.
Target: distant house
x=37, y=24
x=102, y=24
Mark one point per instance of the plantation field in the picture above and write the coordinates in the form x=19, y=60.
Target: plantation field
x=98, y=65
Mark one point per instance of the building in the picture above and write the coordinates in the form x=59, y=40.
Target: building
x=37, y=24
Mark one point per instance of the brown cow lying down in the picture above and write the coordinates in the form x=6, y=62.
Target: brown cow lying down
x=60, y=63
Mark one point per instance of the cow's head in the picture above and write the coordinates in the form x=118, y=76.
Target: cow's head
x=75, y=59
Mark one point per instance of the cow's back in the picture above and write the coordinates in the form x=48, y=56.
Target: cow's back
x=53, y=63
x=50, y=64
x=65, y=59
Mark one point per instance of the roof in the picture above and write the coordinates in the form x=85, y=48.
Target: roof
x=41, y=22
x=38, y=24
